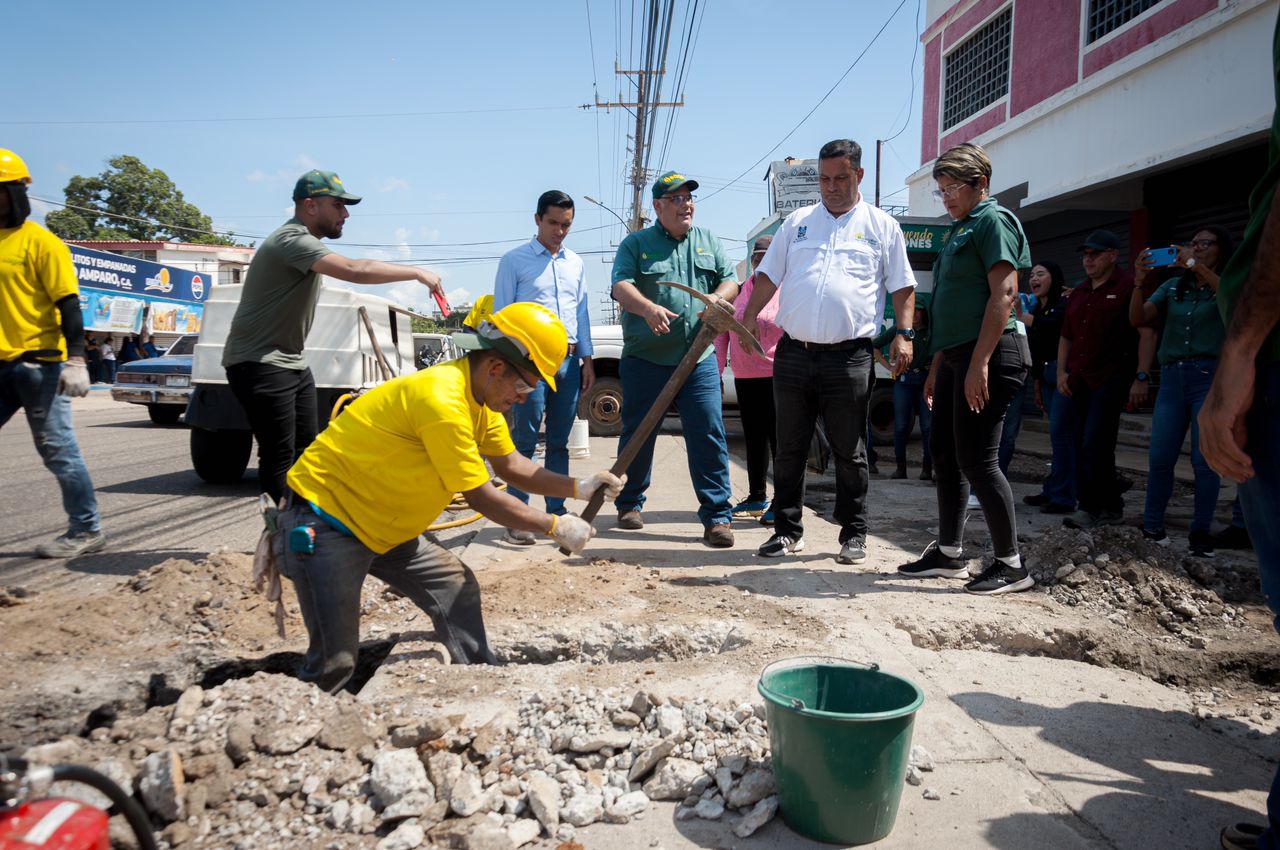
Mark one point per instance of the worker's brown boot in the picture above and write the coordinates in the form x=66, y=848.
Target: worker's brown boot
x=630, y=520
x=720, y=536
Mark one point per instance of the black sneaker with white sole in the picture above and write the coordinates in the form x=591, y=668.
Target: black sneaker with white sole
x=779, y=545
x=999, y=578
x=933, y=563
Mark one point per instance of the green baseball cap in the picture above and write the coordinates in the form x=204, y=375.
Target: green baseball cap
x=669, y=182
x=315, y=183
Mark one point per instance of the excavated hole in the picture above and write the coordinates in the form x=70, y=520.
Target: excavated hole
x=613, y=643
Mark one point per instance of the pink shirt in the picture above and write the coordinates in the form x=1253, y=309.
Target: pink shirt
x=747, y=364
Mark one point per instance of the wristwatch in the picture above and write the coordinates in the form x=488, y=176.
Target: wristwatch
x=1143, y=376
x=909, y=333
x=1191, y=262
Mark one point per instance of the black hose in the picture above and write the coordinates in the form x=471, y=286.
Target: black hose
x=124, y=803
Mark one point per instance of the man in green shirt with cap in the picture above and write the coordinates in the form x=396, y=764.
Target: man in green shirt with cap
x=658, y=326
x=263, y=354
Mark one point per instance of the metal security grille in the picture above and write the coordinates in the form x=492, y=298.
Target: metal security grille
x=977, y=72
x=1107, y=15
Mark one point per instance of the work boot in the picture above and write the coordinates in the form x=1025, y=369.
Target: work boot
x=73, y=545
x=630, y=520
x=900, y=472
x=719, y=536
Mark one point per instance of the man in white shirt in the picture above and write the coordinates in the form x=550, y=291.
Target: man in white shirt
x=834, y=262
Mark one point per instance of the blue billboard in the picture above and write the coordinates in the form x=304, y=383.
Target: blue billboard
x=117, y=292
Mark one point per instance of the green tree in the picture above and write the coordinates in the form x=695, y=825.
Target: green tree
x=153, y=208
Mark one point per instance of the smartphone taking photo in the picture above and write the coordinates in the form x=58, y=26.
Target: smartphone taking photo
x=1161, y=257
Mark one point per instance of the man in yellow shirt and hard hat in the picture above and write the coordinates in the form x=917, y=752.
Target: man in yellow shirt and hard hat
x=361, y=496
x=42, y=364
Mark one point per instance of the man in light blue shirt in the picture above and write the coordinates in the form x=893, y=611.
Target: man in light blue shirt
x=545, y=272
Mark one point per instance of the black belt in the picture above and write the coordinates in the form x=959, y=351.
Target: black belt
x=573, y=349
x=844, y=345
x=41, y=356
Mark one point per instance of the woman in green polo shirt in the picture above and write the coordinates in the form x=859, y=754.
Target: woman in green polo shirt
x=1188, y=357
x=979, y=364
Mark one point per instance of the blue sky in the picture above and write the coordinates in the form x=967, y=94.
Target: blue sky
x=451, y=118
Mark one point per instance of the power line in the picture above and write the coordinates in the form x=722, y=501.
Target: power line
x=792, y=131
x=238, y=119
x=911, y=93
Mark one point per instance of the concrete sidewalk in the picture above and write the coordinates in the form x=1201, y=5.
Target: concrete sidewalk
x=1030, y=751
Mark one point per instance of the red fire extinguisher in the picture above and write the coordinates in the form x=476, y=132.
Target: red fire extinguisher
x=30, y=821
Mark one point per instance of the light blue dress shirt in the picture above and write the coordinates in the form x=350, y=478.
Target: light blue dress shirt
x=559, y=283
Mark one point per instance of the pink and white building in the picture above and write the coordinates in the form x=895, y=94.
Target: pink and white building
x=1148, y=117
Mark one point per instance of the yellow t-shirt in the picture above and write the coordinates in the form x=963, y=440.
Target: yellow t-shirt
x=392, y=461
x=35, y=272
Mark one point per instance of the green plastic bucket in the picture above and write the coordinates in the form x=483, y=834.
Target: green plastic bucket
x=840, y=733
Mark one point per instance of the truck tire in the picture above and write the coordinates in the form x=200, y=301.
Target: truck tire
x=601, y=406
x=220, y=457
x=880, y=414
x=164, y=414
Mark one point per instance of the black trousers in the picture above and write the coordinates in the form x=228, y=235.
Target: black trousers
x=1096, y=415
x=281, y=406
x=835, y=385
x=759, y=429
x=965, y=445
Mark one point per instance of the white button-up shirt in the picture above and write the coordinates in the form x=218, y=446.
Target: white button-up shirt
x=833, y=273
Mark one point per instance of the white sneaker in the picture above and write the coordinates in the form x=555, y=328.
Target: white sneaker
x=779, y=545
x=973, y=502
x=72, y=545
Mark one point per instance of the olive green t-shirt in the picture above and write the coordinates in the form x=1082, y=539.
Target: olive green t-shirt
x=988, y=235
x=1236, y=273
x=278, y=302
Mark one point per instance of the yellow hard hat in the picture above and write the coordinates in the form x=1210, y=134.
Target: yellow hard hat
x=13, y=168
x=480, y=313
x=527, y=334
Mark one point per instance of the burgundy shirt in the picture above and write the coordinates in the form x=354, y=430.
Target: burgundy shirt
x=1103, y=342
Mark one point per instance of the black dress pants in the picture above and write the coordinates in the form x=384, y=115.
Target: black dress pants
x=281, y=406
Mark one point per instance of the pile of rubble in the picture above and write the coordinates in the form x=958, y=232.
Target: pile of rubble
x=1118, y=573
x=271, y=762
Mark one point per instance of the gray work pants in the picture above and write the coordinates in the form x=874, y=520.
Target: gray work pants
x=328, y=585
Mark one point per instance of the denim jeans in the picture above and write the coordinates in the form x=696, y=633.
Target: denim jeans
x=1096, y=417
x=699, y=404
x=967, y=442
x=836, y=385
x=1012, y=425
x=1060, y=486
x=282, y=411
x=109, y=371
x=559, y=407
x=759, y=431
x=1184, y=384
x=908, y=402
x=33, y=387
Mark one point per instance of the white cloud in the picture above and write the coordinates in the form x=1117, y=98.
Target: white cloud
x=395, y=184
x=459, y=296
x=40, y=208
x=305, y=162
x=402, y=243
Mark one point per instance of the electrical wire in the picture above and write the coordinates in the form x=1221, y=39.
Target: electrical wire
x=911, y=93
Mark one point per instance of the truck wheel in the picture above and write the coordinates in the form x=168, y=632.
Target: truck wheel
x=165, y=414
x=881, y=416
x=220, y=457
x=601, y=406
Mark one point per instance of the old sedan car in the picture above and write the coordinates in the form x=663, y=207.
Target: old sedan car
x=162, y=383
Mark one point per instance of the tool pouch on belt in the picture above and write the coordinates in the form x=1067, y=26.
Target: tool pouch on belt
x=266, y=572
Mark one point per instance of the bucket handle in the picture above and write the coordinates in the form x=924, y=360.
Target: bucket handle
x=798, y=704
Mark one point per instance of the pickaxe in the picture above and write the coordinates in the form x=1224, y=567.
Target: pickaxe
x=716, y=319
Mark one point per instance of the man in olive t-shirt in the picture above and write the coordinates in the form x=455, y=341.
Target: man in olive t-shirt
x=263, y=353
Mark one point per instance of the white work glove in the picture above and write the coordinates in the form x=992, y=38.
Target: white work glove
x=571, y=532
x=74, y=379
x=585, y=488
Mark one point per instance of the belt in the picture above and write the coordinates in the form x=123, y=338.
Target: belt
x=844, y=345
x=573, y=349
x=40, y=356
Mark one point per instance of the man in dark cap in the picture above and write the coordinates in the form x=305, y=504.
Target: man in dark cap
x=1097, y=355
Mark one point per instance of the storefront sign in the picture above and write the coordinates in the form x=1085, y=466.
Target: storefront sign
x=126, y=275
x=793, y=184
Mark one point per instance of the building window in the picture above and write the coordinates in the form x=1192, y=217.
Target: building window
x=1108, y=15
x=977, y=72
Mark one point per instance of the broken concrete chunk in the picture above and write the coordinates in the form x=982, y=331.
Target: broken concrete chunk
x=407, y=836
x=648, y=759
x=240, y=739
x=672, y=779
x=670, y=721
x=544, y=800
x=760, y=814
x=162, y=786
x=523, y=831
x=583, y=810
x=921, y=758
x=396, y=774
x=467, y=797
x=491, y=735
x=755, y=785
x=709, y=809
x=280, y=738
x=344, y=729
x=444, y=768
x=424, y=729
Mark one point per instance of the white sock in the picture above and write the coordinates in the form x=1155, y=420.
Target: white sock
x=1014, y=560
x=950, y=551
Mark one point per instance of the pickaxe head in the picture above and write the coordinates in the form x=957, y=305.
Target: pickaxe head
x=719, y=316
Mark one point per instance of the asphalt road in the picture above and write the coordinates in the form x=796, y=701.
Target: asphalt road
x=153, y=505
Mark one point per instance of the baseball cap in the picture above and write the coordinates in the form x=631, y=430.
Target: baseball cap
x=316, y=183
x=669, y=182
x=1101, y=240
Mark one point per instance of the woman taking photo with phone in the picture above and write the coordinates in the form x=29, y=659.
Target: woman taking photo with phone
x=979, y=364
x=1188, y=356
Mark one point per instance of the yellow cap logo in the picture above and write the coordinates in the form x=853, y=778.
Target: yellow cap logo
x=670, y=178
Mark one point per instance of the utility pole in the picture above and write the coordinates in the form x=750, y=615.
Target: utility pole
x=878, y=145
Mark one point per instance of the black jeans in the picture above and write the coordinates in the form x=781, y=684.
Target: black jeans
x=967, y=442
x=759, y=429
x=1096, y=415
x=281, y=406
x=837, y=386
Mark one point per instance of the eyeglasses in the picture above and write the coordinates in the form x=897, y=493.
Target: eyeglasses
x=1202, y=243
x=681, y=200
x=522, y=388
x=948, y=191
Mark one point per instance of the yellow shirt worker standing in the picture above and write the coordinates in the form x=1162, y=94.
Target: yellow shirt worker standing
x=40, y=328
x=363, y=494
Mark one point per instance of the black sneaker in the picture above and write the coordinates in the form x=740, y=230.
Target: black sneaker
x=1201, y=544
x=779, y=545
x=1035, y=500
x=1232, y=537
x=933, y=563
x=1157, y=537
x=1000, y=578
x=1123, y=483
x=1056, y=508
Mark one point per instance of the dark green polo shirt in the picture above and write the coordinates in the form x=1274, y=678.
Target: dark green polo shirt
x=988, y=235
x=650, y=255
x=1237, y=270
x=1193, y=327
x=921, y=350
